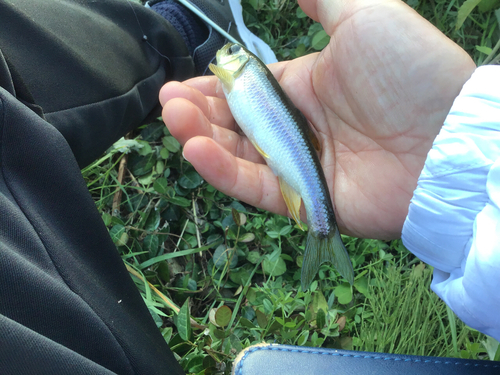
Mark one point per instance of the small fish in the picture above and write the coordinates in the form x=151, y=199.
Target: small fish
x=281, y=134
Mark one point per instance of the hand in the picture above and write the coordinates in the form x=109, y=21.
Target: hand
x=376, y=96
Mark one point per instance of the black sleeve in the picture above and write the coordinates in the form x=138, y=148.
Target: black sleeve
x=94, y=68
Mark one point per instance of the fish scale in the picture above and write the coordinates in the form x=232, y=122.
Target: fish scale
x=280, y=133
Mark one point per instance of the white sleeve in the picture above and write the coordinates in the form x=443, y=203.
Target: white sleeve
x=453, y=222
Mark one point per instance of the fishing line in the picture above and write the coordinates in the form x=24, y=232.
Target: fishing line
x=144, y=36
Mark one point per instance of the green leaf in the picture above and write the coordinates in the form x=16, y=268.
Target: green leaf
x=179, y=201
x=235, y=343
x=236, y=216
x=160, y=167
x=256, y=4
x=320, y=40
x=150, y=244
x=223, y=316
x=147, y=178
x=273, y=234
x=300, y=13
x=464, y=11
x=361, y=284
x=161, y=185
x=344, y=293
x=320, y=318
x=274, y=268
x=487, y=5
x=164, y=153
x=167, y=333
x=484, y=49
x=106, y=218
x=163, y=271
x=156, y=317
x=236, y=205
x=222, y=255
x=153, y=220
x=300, y=50
x=195, y=364
x=171, y=144
x=492, y=348
x=116, y=232
x=145, y=149
x=240, y=275
x=141, y=165
x=190, y=180
x=182, y=322
x=152, y=132
x=246, y=323
x=247, y=237
x=301, y=340
x=253, y=256
x=261, y=319
x=285, y=230
x=319, y=302
x=268, y=306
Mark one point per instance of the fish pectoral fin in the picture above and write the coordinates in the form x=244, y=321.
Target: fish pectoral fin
x=325, y=249
x=224, y=75
x=292, y=200
x=260, y=151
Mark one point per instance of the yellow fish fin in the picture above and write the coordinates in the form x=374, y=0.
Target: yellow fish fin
x=224, y=76
x=292, y=200
x=314, y=140
x=260, y=151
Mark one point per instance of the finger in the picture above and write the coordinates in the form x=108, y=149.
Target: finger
x=208, y=86
x=310, y=8
x=185, y=120
x=252, y=183
x=215, y=109
x=176, y=89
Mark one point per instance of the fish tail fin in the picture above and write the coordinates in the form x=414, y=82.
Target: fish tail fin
x=325, y=249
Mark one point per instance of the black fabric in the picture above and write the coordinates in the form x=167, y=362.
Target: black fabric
x=67, y=303
x=192, y=29
x=63, y=288
x=77, y=58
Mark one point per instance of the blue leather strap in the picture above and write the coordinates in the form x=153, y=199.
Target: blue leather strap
x=286, y=359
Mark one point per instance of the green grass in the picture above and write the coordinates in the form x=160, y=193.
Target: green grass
x=236, y=270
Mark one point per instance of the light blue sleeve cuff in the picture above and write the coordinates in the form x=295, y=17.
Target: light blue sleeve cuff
x=453, y=222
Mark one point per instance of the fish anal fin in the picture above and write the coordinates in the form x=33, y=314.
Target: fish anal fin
x=325, y=249
x=224, y=76
x=293, y=201
x=314, y=139
x=260, y=151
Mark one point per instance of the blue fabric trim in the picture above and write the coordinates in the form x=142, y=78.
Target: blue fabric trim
x=306, y=351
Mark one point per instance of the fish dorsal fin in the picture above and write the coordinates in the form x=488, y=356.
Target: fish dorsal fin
x=314, y=139
x=260, y=151
x=224, y=75
x=292, y=200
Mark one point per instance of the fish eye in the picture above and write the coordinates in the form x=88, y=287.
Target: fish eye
x=235, y=48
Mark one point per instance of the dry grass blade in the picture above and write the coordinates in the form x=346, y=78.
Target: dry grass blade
x=164, y=298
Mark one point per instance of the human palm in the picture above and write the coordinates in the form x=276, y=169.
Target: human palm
x=376, y=97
